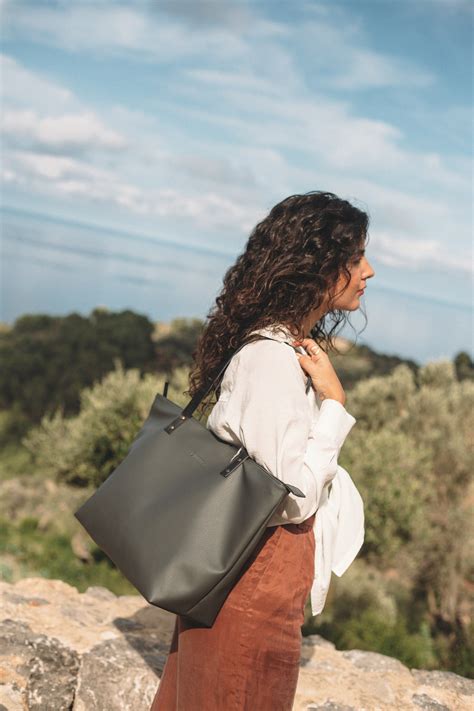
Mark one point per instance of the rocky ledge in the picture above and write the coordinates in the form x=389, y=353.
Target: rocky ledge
x=95, y=651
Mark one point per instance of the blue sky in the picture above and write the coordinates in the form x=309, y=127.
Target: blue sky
x=142, y=141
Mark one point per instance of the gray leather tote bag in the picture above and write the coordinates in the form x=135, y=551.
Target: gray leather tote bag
x=183, y=511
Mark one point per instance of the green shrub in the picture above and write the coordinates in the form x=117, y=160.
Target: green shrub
x=26, y=551
x=371, y=631
x=367, y=610
x=83, y=450
x=411, y=456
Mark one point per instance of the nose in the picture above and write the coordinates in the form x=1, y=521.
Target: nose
x=370, y=273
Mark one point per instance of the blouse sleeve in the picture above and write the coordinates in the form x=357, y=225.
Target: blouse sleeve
x=268, y=411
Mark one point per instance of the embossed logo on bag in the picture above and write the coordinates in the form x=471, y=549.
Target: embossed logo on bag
x=196, y=456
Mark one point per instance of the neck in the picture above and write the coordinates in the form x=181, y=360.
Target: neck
x=311, y=319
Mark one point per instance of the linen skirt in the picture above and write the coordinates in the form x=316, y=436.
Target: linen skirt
x=249, y=659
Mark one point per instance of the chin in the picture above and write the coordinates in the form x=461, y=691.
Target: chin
x=354, y=305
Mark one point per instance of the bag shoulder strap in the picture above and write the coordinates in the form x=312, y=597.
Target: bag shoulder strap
x=203, y=392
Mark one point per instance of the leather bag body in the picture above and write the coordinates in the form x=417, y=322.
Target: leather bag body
x=183, y=511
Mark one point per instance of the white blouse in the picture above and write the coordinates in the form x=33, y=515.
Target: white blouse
x=264, y=407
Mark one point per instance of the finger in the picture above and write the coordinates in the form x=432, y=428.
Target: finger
x=313, y=350
x=308, y=343
x=298, y=342
x=301, y=359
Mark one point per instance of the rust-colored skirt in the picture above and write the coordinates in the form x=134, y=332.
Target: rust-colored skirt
x=249, y=659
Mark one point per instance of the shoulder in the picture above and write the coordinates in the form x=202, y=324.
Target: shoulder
x=265, y=349
x=268, y=358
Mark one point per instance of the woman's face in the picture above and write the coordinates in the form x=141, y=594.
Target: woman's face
x=360, y=271
x=349, y=299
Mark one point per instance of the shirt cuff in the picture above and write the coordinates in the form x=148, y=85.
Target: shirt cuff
x=334, y=421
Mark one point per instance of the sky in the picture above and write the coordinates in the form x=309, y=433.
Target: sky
x=142, y=141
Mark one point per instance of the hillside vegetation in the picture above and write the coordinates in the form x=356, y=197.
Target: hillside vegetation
x=74, y=398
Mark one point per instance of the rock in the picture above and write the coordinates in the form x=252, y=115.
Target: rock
x=329, y=706
x=441, y=679
x=315, y=640
x=427, y=703
x=115, y=675
x=61, y=650
x=373, y=661
x=41, y=667
x=358, y=680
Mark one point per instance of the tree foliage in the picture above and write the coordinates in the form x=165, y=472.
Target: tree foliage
x=84, y=449
x=411, y=455
x=47, y=360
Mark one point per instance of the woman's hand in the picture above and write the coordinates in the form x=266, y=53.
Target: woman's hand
x=317, y=365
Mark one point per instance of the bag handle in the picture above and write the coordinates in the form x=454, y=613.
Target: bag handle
x=204, y=391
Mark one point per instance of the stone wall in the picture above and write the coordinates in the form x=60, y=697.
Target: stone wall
x=95, y=651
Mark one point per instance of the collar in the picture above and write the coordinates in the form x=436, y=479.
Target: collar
x=277, y=331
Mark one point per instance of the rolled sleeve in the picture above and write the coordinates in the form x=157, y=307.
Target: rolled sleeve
x=334, y=422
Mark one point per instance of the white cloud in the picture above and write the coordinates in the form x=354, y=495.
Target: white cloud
x=339, y=53
x=55, y=167
x=237, y=17
x=361, y=68
x=58, y=175
x=256, y=127
x=332, y=45
x=83, y=130
x=322, y=127
x=417, y=254
x=117, y=29
x=21, y=87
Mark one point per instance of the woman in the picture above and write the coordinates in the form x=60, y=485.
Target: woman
x=304, y=262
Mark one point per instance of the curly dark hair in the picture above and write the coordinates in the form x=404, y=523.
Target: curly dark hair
x=292, y=260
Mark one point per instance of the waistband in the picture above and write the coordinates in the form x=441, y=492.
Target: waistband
x=305, y=525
